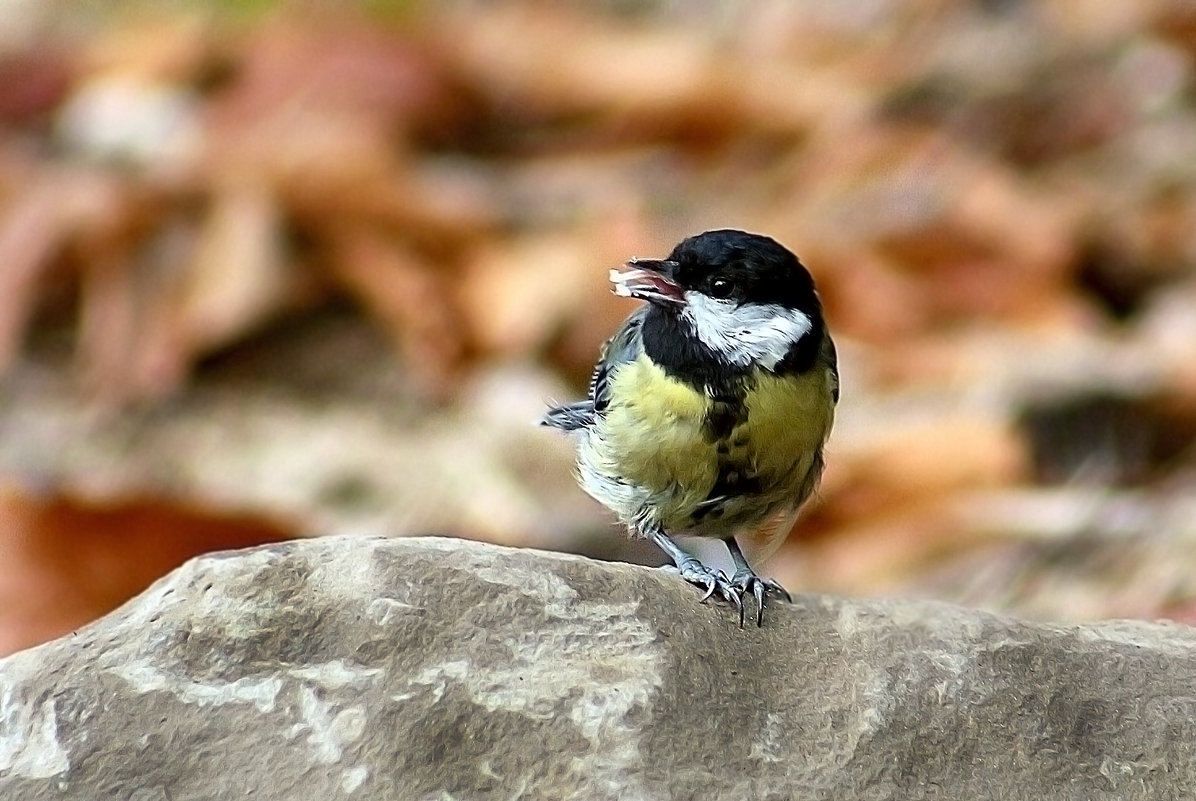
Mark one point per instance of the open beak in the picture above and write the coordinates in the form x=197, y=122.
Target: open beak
x=650, y=280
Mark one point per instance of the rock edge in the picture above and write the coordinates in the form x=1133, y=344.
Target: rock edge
x=432, y=668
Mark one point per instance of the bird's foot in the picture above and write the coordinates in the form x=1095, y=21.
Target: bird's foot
x=747, y=583
x=715, y=582
x=696, y=573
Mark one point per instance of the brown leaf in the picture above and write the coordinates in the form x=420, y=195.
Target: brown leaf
x=30, y=232
x=69, y=561
x=410, y=297
x=236, y=277
x=873, y=467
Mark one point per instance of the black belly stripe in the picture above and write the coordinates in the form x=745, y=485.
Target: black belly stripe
x=724, y=427
x=724, y=416
x=733, y=480
x=728, y=410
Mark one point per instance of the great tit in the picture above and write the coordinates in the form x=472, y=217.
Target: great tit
x=708, y=411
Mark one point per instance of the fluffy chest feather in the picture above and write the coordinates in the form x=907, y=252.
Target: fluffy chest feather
x=714, y=461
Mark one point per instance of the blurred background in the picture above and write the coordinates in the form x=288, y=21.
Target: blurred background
x=285, y=270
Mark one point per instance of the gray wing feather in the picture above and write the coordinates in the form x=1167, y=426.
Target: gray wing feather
x=625, y=346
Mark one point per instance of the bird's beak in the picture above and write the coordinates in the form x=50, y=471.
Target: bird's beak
x=652, y=280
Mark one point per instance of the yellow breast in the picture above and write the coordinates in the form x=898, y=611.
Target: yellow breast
x=655, y=435
x=788, y=419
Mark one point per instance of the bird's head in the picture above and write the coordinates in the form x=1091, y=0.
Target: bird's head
x=744, y=296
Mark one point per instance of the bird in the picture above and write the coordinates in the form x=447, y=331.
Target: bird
x=709, y=409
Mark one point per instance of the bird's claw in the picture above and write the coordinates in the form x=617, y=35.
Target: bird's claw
x=713, y=581
x=750, y=584
x=734, y=590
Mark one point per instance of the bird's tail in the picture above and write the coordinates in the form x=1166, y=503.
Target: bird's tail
x=570, y=417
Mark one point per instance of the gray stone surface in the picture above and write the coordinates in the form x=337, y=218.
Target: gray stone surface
x=437, y=669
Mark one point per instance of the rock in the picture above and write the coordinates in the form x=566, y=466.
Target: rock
x=436, y=669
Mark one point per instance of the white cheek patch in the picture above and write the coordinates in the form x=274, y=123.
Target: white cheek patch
x=753, y=333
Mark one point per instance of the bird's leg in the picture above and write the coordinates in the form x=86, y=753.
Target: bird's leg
x=693, y=571
x=746, y=582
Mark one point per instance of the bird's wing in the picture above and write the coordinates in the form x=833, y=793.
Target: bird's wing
x=623, y=347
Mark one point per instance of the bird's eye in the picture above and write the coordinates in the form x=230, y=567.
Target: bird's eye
x=721, y=288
